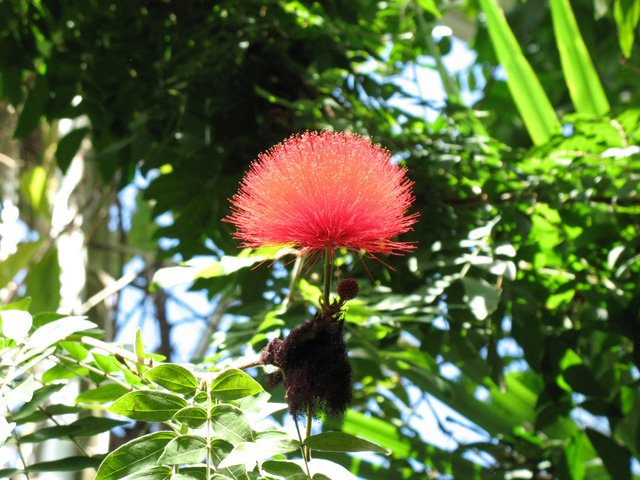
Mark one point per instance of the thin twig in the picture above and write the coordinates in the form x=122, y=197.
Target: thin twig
x=94, y=370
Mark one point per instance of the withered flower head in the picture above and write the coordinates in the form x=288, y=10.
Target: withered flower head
x=315, y=366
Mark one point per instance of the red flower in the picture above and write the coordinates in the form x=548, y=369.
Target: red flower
x=324, y=189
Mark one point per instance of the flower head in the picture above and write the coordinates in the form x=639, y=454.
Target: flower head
x=325, y=189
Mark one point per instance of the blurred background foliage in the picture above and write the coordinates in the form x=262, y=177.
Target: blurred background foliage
x=505, y=346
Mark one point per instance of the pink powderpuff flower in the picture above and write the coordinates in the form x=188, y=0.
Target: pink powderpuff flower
x=325, y=189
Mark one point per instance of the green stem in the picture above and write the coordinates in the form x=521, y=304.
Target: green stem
x=327, y=275
x=308, y=432
x=302, y=448
x=94, y=370
x=208, y=468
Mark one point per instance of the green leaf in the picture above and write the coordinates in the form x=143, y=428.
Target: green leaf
x=139, y=351
x=586, y=91
x=376, y=430
x=230, y=424
x=16, y=262
x=173, y=377
x=228, y=265
x=105, y=363
x=233, y=384
x=148, y=405
x=530, y=99
x=342, y=442
x=185, y=449
x=68, y=146
x=33, y=186
x=84, y=427
x=102, y=394
x=76, y=350
x=429, y=6
x=574, y=454
x=33, y=108
x=152, y=473
x=53, y=332
x=134, y=456
x=40, y=396
x=63, y=372
x=615, y=457
x=282, y=468
x=43, y=283
x=68, y=464
x=267, y=445
x=626, y=14
x=192, y=473
x=193, y=417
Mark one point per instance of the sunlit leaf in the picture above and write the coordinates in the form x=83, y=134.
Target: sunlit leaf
x=233, y=384
x=185, y=449
x=134, y=456
x=173, y=377
x=342, y=442
x=148, y=405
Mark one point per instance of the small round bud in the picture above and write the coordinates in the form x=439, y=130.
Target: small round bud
x=348, y=289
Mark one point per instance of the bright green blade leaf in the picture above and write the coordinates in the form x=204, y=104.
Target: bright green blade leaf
x=233, y=384
x=193, y=417
x=104, y=393
x=530, y=99
x=62, y=372
x=586, y=91
x=230, y=424
x=342, y=442
x=173, y=377
x=147, y=405
x=376, y=430
x=43, y=283
x=106, y=364
x=76, y=350
x=134, y=456
x=139, y=351
x=429, y=6
x=33, y=185
x=184, y=449
x=626, y=14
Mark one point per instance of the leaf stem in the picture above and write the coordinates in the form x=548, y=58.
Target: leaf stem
x=208, y=467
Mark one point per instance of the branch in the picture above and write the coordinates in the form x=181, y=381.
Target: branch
x=119, y=353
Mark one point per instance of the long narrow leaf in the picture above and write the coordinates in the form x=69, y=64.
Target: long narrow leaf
x=530, y=99
x=587, y=94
